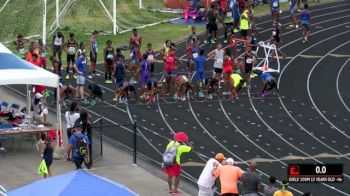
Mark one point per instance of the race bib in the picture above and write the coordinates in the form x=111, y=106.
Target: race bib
x=274, y=33
x=219, y=61
x=229, y=14
x=150, y=57
x=21, y=50
x=71, y=50
x=249, y=61
x=275, y=4
x=43, y=54
x=109, y=56
x=195, y=55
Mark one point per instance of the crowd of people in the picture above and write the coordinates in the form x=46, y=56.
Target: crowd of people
x=230, y=71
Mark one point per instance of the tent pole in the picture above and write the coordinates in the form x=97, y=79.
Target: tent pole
x=44, y=22
x=28, y=99
x=58, y=114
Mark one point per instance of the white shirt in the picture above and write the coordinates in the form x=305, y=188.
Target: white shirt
x=71, y=118
x=58, y=41
x=206, y=179
x=219, y=58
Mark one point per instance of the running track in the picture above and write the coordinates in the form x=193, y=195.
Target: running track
x=311, y=117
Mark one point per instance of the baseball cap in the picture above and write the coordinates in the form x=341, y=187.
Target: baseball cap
x=230, y=161
x=38, y=95
x=219, y=156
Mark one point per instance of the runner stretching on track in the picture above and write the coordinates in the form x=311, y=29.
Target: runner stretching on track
x=269, y=83
x=182, y=86
x=211, y=87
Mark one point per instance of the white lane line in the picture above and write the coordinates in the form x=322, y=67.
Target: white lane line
x=286, y=141
x=337, y=85
x=310, y=96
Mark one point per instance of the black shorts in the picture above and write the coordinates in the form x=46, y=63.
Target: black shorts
x=70, y=58
x=212, y=27
x=272, y=83
x=218, y=70
x=93, y=59
x=277, y=39
x=248, y=68
x=230, y=24
x=244, y=33
x=109, y=62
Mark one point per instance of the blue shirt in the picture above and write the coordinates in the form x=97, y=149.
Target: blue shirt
x=73, y=140
x=305, y=16
x=266, y=76
x=119, y=57
x=81, y=65
x=119, y=72
x=275, y=4
x=200, y=63
x=145, y=65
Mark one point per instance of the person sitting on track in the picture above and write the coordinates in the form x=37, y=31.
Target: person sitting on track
x=182, y=86
x=211, y=86
x=269, y=83
x=123, y=95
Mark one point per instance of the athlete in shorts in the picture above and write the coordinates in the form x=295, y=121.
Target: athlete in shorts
x=108, y=53
x=154, y=88
x=211, y=17
x=218, y=56
x=211, y=86
x=151, y=58
x=269, y=83
x=305, y=22
x=135, y=57
x=93, y=55
x=145, y=74
x=119, y=72
x=20, y=43
x=170, y=67
x=192, y=54
x=193, y=35
x=276, y=38
x=249, y=59
x=293, y=7
x=200, y=69
x=227, y=71
x=228, y=23
x=238, y=83
x=71, y=49
x=43, y=52
x=275, y=10
x=57, y=44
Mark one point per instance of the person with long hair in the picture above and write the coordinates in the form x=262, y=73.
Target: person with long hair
x=71, y=116
x=47, y=154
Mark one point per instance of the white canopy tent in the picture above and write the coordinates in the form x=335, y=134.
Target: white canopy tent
x=14, y=70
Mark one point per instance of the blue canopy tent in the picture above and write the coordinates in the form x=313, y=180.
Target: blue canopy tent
x=73, y=183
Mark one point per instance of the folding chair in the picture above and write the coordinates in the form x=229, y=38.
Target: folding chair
x=14, y=107
x=4, y=106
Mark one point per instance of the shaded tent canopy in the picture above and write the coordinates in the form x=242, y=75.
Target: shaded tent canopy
x=14, y=70
x=73, y=183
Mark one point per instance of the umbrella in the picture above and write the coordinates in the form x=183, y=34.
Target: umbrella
x=181, y=137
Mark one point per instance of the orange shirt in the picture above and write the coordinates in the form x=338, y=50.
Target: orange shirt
x=283, y=193
x=229, y=175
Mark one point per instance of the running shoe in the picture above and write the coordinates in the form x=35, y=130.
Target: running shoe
x=85, y=101
x=67, y=77
x=201, y=94
x=115, y=99
x=235, y=30
x=225, y=42
x=296, y=26
x=135, y=82
x=212, y=41
x=93, y=102
x=141, y=97
x=109, y=81
x=298, y=10
x=210, y=96
x=75, y=76
x=97, y=74
x=291, y=25
x=90, y=76
x=226, y=93
x=205, y=41
x=106, y=81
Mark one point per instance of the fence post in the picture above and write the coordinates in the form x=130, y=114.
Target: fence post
x=101, y=139
x=135, y=142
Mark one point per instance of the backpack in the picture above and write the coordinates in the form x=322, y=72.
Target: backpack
x=169, y=156
x=81, y=146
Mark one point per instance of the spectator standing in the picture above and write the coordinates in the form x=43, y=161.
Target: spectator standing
x=175, y=169
x=251, y=182
x=270, y=189
x=80, y=68
x=71, y=49
x=206, y=179
x=229, y=175
x=71, y=116
x=43, y=52
x=283, y=191
x=47, y=154
x=78, y=144
x=85, y=122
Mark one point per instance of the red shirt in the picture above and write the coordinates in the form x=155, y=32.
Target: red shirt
x=29, y=58
x=170, y=63
x=228, y=65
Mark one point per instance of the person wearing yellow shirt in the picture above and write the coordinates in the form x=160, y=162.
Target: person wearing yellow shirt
x=283, y=191
x=175, y=170
x=244, y=23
